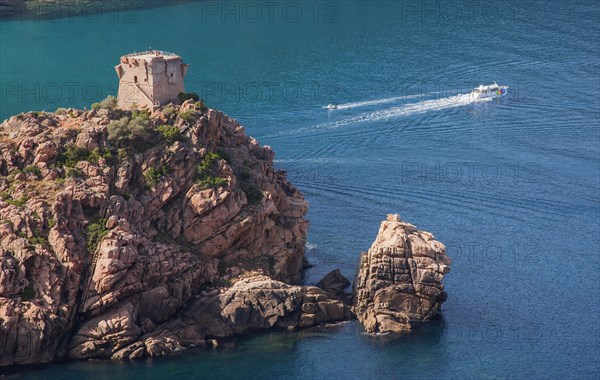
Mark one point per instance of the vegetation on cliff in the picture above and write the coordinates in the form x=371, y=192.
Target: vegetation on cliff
x=122, y=217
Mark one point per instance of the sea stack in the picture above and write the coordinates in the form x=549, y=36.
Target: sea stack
x=398, y=284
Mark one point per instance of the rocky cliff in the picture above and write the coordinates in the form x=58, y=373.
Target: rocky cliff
x=125, y=234
x=398, y=284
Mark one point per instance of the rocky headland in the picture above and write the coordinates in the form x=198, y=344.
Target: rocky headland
x=126, y=234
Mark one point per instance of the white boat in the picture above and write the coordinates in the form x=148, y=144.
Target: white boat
x=489, y=91
x=331, y=107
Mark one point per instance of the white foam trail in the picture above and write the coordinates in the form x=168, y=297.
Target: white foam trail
x=379, y=101
x=319, y=160
x=310, y=245
x=405, y=110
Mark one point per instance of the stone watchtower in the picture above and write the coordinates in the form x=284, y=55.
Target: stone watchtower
x=150, y=79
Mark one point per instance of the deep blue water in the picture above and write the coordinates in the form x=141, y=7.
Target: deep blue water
x=511, y=186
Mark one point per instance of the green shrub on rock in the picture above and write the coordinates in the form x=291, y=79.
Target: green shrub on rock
x=72, y=155
x=125, y=131
x=122, y=153
x=153, y=175
x=15, y=202
x=168, y=111
x=28, y=293
x=142, y=114
x=32, y=169
x=39, y=240
x=202, y=106
x=73, y=173
x=170, y=133
x=206, y=172
x=109, y=103
x=94, y=233
x=183, y=96
x=118, y=129
x=139, y=128
x=207, y=166
x=6, y=221
x=188, y=116
x=253, y=193
x=51, y=222
x=212, y=182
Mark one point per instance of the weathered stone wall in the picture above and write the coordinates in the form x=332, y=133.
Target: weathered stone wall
x=145, y=81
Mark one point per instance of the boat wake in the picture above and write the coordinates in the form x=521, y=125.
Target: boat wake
x=402, y=110
x=375, y=102
x=388, y=113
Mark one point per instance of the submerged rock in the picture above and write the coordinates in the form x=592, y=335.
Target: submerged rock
x=398, y=283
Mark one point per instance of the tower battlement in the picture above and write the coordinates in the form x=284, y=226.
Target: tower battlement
x=150, y=79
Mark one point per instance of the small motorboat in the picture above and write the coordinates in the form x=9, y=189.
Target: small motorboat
x=331, y=107
x=489, y=91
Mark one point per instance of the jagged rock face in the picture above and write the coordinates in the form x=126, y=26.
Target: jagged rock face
x=335, y=284
x=93, y=261
x=251, y=304
x=398, y=283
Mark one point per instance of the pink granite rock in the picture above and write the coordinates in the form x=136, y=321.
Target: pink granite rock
x=398, y=283
x=100, y=245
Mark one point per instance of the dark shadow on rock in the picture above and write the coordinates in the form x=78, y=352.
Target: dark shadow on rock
x=335, y=284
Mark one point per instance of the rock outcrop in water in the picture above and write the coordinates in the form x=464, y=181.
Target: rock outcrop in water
x=398, y=283
x=131, y=234
x=126, y=234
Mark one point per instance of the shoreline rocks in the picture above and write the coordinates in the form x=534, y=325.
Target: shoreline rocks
x=251, y=304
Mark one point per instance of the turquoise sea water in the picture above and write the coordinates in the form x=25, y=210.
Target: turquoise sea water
x=510, y=186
